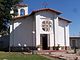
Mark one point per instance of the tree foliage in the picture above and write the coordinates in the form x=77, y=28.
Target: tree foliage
x=5, y=16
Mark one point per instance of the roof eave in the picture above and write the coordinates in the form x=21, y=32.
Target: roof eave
x=47, y=9
x=65, y=19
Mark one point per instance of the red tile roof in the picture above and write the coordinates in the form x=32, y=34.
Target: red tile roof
x=35, y=11
x=21, y=5
x=45, y=9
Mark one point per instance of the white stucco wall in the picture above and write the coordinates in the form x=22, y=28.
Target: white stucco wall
x=67, y=36
x=63, y=33
x=25, y=8
x=24, y=28
x=56, y=30
x=19, y=8
x=22, y=32
x=41, y=16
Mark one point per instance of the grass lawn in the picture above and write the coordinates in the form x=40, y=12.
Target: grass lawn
x=19, y=56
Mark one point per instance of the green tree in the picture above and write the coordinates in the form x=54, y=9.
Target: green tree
x=5, y=16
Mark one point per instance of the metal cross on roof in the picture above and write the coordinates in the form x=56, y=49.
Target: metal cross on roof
x=45, y=4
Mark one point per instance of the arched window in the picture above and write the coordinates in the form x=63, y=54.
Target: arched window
x=15, y=11
x=22, y=12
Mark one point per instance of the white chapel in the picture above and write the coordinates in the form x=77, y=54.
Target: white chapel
x=43, y=29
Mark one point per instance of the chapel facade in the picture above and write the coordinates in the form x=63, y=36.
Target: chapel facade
x=43, y=29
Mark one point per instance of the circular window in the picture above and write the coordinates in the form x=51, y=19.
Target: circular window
x=46, y=25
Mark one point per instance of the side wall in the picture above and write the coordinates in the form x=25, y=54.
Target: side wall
x=75, y=42
x=63, y=33
x=22, y=34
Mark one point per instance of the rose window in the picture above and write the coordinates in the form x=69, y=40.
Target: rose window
x=46, y=25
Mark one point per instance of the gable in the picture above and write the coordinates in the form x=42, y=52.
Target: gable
x=45, y=14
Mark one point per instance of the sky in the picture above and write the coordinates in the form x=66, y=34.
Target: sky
x=69, y=8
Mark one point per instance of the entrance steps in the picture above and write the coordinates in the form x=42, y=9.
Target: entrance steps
x=49, y=51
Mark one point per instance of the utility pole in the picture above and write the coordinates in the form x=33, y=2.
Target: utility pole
x=79, y=33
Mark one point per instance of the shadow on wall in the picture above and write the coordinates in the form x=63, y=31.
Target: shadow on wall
x=21, y=37
x=4, y=43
